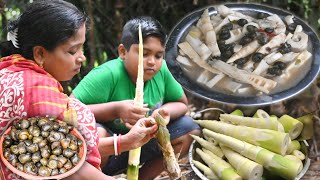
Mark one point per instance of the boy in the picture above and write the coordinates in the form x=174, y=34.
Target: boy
x=109, y=91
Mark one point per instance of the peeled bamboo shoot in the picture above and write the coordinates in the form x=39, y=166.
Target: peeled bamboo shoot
x=294, y=145
x=262, y=123
x=299, y=154
x=206, y=170
x=208, y=145
x=291, y=126
x=134, y=155
x=273, y=162
x=222, y=171
x=246, y=168
x=272, y=140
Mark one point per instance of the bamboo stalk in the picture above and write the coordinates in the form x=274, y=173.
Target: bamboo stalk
x=134, y=155
x=163, y=137
x=272, y=140
x=273, y=162
x=291, y=126
x=246, y=168
x=222, y=170
x=208, y=145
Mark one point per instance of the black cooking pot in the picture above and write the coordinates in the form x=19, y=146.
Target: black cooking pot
x=178, y=33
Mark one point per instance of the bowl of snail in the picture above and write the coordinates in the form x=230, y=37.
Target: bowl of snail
x=42, y=148
x=243, y=54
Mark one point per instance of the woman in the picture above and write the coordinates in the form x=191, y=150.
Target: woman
x=44, y=47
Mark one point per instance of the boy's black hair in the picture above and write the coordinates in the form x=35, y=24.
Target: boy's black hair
x=149, y=27
x=44, y=23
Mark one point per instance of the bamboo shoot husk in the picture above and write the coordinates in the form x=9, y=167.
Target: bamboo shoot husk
x=291, y=126
x=223, y=171
x=163, y=137
x=307, y=131
x=208, y=145
x=206, y=170
x=246, y=168
x=273, y=162
x=275, y=141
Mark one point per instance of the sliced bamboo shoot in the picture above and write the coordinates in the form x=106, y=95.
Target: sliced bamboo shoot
x=258, y=82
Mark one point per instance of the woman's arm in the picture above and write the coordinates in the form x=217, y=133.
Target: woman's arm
x=88, y=172
x=144, y=130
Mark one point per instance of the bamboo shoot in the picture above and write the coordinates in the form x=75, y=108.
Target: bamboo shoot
x=291, y=126
x=208, y=145
x=246, y=168
x=206, y=170
x=163, y=137
x=272, y=140
x=273, y=162
x=134, y=155
x=222, y=170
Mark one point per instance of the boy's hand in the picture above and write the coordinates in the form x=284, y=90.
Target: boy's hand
x=131, y=114
x=164, y=113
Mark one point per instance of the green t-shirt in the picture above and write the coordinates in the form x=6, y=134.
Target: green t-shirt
x=111, y=82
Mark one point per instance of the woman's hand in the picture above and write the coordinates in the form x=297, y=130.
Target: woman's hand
x=141, y=133
x=130, y=114
x=163, y=112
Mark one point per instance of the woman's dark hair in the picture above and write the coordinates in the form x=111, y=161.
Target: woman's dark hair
x=46, y=23
x=149, y=27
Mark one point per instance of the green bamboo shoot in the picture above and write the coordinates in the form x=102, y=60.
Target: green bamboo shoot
x=273, y=162
x=208, y=145
x=275, y=141
x=262, y=123
x=299, y=154
x=291, y=126
x=237, y=112
x=163, y=137
x=294, y=145
x=222, y=170
x=206, y=170
x=296, y=159
x=134, y=155
x=307, y=131
x=246, y=168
